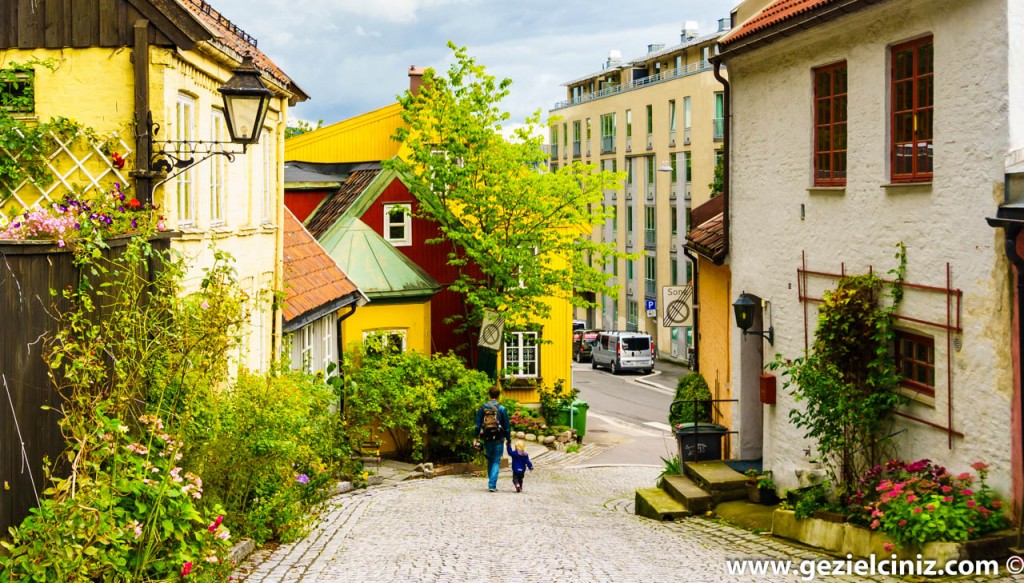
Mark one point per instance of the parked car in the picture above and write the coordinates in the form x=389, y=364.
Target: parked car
x=583, y=343
x=621, y=351
x=578, y=325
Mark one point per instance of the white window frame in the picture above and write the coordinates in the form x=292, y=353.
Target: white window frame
x=406, y=224
x=185, y=131
x=306, y=349
x=516, y=344
x=266, y=216
x=218, y=169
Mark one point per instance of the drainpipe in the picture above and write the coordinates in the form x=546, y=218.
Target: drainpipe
x=726, y=98
x=696, y=307
x=341, y=344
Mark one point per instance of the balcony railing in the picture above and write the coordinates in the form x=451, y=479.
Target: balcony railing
x=629, y=144
x=650, y=288
x=718, y=128
x=686, y=136
x=671, y=138
x=608, y=144
x=650, y=238
x=650, y=192
x=672, y=192
x=686, y=190
x=629, y=192
x=650, y=141
x=691, y=69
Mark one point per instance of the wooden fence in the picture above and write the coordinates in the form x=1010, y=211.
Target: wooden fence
x=28, y=433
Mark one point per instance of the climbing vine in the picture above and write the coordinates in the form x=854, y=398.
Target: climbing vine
x=848, y=381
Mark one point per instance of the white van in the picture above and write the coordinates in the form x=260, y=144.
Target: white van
x=623, y=351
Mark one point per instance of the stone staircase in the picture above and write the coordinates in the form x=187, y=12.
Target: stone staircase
x=699, y=489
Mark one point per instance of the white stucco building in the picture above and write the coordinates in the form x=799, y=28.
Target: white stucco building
x=856, y=125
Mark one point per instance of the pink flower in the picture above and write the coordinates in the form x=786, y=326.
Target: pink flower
x=930, y=507
x=912, y=498
x=888, y=547
x=996, y=504
x=967, y=492
x=965, y=476
x=947, y=489
x=186, y=568
x=205, y=305
x=875, y=524
x=971, y=503
x=216, y=523
x=902, y=522
x=980, y=466
x=947, y=499
x=917, y=510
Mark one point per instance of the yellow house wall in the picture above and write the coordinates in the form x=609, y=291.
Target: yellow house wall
x=413, y=318
x=715, y=317
x=363, y=138
x=94, y=87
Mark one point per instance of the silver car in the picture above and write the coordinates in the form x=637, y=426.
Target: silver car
x=621, y=351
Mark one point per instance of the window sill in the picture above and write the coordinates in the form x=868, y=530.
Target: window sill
x=191, y=233
x=918, y=397
x=908, y=187
x=268, y=226
x=826, y=190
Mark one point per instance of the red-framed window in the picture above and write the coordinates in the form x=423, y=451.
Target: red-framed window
x=915, y=360
x=913, y=90
x=830, y=125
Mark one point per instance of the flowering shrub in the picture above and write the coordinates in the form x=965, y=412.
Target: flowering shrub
x=132, y=513
x=105, y=215
x=919, y=502
x=522, y=420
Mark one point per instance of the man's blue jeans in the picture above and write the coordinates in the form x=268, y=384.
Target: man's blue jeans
x=493, y=451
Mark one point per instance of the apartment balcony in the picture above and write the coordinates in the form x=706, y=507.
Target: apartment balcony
x=650, y=193
x=608, y=145
x=691, y=69
x=671, y=138
x=672, y=192
x=650, y=141
x=629, y=192
x=629, y=144
x=718, y=128
x=650, y=288
x=650, y=238
x=674, y=242
x=629, y=240
x=687, y=188
x=686, y=136
x=576, y=147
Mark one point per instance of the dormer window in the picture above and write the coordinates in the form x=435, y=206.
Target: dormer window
x=398, y=224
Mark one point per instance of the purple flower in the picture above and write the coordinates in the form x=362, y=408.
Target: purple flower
x=302, y=479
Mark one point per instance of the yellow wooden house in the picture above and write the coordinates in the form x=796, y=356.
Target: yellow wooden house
x=144, y=75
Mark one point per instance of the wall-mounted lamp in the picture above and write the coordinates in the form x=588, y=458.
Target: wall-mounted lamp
x=246, y=101
x=744, y=310
x=665, y=166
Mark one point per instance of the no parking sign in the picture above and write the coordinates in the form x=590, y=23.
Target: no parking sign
x=678, y=302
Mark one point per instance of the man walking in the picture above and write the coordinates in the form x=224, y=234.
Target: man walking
x=492, y=428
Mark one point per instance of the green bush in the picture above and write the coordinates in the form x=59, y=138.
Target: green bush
x=554, y=398
x=690, y=388
x=277, y=443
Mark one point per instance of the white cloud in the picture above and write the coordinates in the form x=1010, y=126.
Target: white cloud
x=362, y=32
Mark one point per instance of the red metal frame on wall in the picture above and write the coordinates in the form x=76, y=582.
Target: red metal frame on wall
x=954, y=302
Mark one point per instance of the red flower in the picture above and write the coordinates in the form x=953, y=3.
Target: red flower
x=134, y=203
x=216, y=523
x=186, y=568
x=118, y=160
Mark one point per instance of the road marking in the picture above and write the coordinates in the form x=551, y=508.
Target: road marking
x=661, y=426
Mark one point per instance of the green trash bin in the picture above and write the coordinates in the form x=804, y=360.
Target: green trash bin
x=561, y=418
x=700, y=441
x=579, y=417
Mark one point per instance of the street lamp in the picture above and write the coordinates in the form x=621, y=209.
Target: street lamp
x=743, y=307
x=246, y=101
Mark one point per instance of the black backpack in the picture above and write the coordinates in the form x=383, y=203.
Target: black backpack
x=490, y=427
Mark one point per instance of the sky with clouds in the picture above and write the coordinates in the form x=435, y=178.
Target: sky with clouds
x=353, y=56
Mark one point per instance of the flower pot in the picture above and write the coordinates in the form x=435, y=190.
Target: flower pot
x=768, y=389
x=765, y=496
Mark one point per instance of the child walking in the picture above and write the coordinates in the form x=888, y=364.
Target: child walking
x=520, y=461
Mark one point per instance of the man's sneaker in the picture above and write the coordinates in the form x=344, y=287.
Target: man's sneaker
x=519, y=488
x=492, y=489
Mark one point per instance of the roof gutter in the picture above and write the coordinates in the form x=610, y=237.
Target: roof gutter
x=788, y=27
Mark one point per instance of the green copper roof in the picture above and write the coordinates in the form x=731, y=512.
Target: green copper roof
x=381, y=271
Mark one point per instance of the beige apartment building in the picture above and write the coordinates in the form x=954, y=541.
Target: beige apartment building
x=659, y=119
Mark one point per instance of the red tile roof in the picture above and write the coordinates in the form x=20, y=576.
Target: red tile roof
x=335, y=206
x=236, y=39
x=708, y=238
x=312, y=279
x=775, y=13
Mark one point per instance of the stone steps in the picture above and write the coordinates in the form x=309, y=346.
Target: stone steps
x=683, y=490
x=657, y=504
x=716, y=478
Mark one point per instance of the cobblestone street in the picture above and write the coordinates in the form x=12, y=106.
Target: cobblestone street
x=571, y=523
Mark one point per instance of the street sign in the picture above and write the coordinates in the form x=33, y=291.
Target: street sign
x=652, y=313
x=650, y=304
x=678, y=301
x=491, y=330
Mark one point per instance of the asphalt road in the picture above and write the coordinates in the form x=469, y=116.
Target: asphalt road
x=629, y=413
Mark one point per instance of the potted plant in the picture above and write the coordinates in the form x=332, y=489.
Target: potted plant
x=761, y=488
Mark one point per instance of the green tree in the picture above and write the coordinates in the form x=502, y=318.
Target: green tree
x=519, y=233
x=301, y=127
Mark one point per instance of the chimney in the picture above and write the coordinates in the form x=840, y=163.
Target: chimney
x=690, y=31
x=415, y=79
x=655, y=47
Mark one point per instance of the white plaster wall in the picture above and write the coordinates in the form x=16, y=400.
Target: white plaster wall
x=1015, y=70
x=860, y=226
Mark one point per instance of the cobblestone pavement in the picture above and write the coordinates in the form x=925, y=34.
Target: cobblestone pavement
x=572, y=523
